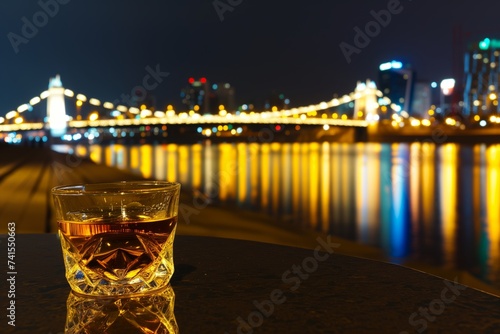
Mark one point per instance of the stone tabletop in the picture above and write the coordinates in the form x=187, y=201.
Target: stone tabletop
x=234, y=286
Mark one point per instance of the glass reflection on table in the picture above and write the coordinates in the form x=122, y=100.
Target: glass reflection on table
x=153, y=313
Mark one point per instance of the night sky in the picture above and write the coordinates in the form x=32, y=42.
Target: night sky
x=102, y=49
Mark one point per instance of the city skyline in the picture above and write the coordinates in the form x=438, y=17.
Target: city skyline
x=370, y=128
x=307, y=52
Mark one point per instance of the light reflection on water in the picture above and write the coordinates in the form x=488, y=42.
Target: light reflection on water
x=435, y=203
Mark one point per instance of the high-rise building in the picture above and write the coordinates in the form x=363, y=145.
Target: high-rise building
x=422, y=98
x=207, y=98
x=195, y=96
x=482, y=74
x=396, y=83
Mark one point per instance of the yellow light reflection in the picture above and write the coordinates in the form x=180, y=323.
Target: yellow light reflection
x=296, y=192
x=222, y=181
x=448, y=200
x=275, y=175
x=242, y=172
x=108, y=156
x=184, y=165
x=415, y=184
x=254, y=172
x=172, y=162
x=493, y=204
x=428, y=187
x=264, y=180
x=134, y=157
x=336, y=178
x=232, y=170
x=314, y=169
x=146, y=160
x=304, y=184
x=227, y=171
x=325, y=186
x=209, y=181
x=196, y=166
x=160, y=170
x=367, y=191
x=345, y=184
x=286, y=178
x=96, y=154
x=361, y=193
x=374, y=185
x=81, y=151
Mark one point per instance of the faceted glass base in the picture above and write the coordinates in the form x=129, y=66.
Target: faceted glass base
x=152, y=313
x=118, y=264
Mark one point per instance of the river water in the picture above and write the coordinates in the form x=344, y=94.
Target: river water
x=437, y=204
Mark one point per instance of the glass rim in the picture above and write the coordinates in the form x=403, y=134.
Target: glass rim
x=115, y=188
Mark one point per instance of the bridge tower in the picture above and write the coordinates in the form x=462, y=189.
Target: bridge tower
x=56, y=108
x=367, y=102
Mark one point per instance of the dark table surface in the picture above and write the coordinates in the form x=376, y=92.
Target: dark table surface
x=234, y=286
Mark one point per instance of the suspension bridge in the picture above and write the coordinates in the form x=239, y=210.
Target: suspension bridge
x=67, y=110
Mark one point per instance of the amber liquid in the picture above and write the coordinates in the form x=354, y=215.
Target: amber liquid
x=117, y=250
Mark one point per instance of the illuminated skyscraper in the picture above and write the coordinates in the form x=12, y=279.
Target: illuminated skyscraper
x=396, y=82
x=482, y=74
x=206, y=98
x=422, y=98
x=195, y=96
x=56, y=108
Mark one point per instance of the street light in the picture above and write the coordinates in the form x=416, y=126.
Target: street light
x=94, y=116
x=11, y=114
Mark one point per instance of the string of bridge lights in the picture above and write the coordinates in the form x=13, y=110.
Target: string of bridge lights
x=145, y=116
